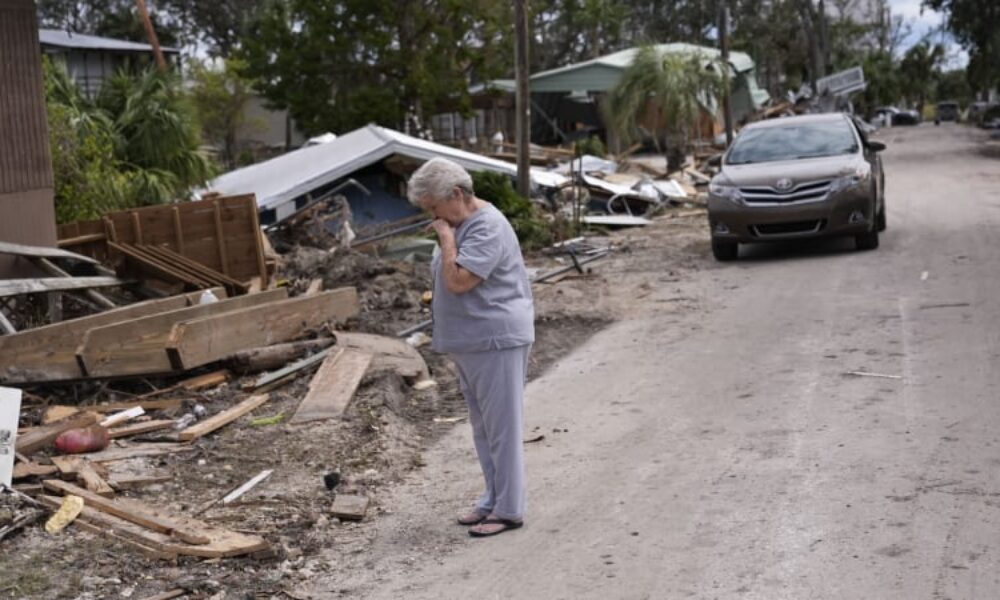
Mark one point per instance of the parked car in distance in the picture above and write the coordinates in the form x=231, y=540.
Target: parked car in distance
x=947, y=111
x=798, y=177
x=907, y=117
x=890, y=116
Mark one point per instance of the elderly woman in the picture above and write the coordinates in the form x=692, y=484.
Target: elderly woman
x=484, y=319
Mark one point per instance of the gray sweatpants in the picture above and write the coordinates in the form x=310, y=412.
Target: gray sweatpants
x=493, y=385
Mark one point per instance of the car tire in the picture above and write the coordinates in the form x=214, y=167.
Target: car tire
x=880, y=219
x=867, y=241
x=725, y=251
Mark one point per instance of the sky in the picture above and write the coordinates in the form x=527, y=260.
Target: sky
x=927, y=21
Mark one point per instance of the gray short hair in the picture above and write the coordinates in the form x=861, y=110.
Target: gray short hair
x=435, y=180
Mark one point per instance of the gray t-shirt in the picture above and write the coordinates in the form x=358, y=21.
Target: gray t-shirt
x=499, y=312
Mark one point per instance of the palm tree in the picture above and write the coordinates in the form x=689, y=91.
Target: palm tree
x=667, y=92
x=919, y=67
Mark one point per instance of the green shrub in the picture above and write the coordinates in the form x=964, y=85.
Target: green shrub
x=593, y=146
x=532, y=231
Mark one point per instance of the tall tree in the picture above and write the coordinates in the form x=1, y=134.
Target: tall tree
x=974, y=24
x=919, y=70
x=220, y=96
x=108, y=18
x=337, y=65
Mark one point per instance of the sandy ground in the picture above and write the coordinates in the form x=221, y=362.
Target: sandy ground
x=711, y=444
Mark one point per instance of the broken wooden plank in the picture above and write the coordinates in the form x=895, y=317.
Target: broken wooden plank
x=39, y=437
x=208, y=339
x=58, y=411
x=137, y=481
x=137, y=451
x=246, y=487
x=268, y=379
x=14, y=287
x=162, y=404
x=139, y=347
x=49, y=267
x=41, y=252
x=24, y=470
x=5, y=325
x=208, y=380
x=272, y=357
x=149, y=519
x=83, y=470
x=222, y=419
x=138, y=428
x=150, y=544
x=389, y=353
x=48, y=353
x=141, y=264
x=123, y=416
x=315, y=287
x=333, y=386
x=350, y=507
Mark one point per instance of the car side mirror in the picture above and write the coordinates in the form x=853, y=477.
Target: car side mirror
x=715, y=161
x=876, y=146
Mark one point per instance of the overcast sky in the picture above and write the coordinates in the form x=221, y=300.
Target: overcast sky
x=925, y=22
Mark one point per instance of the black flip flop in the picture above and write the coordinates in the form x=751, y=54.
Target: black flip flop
x=507, y=523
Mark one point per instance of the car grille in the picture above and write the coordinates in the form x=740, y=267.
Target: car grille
x=804, y=192
x=813, y=226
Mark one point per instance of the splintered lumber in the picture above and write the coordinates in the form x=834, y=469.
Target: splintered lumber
x=278, y=355
x=136, y=451
x=121, y=417
x=349, y=507
x=138, y=347
x=162, y=404
x=333, y=386
x=58, y=411
x=41, y=252
x=23, y=470
x=137, y=428
x=148, y=543
x=204, y=340
x=148, y=518
x=208, y=380
x=37, y=438
x=269, y=380
x=14, y=287
x=84, y=471
x=389, y=353
x=221, y=419
x=48, y=353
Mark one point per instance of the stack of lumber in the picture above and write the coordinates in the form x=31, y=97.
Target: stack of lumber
x=168, y=335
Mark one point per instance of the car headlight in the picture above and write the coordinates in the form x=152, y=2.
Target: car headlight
x=729, y=192
x=858, y=178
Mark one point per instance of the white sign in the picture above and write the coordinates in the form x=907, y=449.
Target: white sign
x=10, y=410
x=845, y=82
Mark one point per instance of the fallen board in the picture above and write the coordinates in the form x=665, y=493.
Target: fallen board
x=149, y=518
x=84, y=471
x=208, y=339
x=48, y=353
x=333, y=386
x=139, y=347
x=137, y=428
x=388, y=353
x=222, y=419
x=41, y=252
x=149, y=543
x=30, y=469
x=136, y=451
x=15, y=287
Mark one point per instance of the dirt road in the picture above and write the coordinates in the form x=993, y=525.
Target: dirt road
x=723, y=451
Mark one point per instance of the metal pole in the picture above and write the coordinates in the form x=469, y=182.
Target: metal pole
x=727, y=109
x=522, y=98
x=161, y=63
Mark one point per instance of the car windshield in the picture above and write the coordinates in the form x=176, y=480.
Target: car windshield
x=793, y=141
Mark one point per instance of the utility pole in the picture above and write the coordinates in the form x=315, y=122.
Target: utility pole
x=161, y=63
x=522, y=98
x=727, y=108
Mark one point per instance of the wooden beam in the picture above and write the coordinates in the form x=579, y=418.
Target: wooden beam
x=149, y=520
x=221, y=239
x=178, y=230
x=137, y=451
x=222, y=419
x=5, y=325
x=164, y=404
x=187, y=265
x=14, y=287
x=137, y=428
x=267, y=380
x=84, y=471
x=50, y=268
x=41, y=252
x=208, y=339
x=333, y=386
x=389, y=353
x=139, y=347
x=149, y=543
x=81, y=239
x=49, y=353
x=150, y=264
x=38, y=437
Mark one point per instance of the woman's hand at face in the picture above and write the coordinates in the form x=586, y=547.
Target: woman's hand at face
x=443, y=229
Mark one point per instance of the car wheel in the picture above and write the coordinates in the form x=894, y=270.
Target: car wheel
x=867, y=241
x=725, y=251
x=880, y=218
